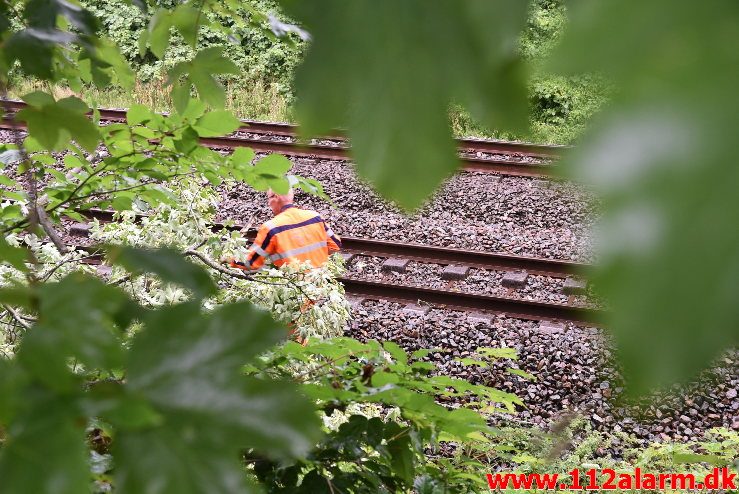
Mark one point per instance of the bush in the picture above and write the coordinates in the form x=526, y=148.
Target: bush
x=260, y=58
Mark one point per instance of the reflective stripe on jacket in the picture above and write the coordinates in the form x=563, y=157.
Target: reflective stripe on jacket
x=293, y=235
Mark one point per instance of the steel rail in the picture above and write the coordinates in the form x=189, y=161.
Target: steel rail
x=463, y=257
x=290, y=130
x=508, y=168
x=340, y=152
x=425, y=253
x=521, y=309
x=448, y=299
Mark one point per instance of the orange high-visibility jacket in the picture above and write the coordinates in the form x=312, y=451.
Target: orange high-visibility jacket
x=293, y=235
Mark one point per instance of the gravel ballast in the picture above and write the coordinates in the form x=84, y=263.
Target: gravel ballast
x=472, y=210
x=575, y=371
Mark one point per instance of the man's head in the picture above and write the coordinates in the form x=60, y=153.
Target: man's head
x=277, y=201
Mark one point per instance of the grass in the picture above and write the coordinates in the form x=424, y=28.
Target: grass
x=257, y=101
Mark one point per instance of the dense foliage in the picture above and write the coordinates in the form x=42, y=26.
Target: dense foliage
x=560, y=107
x=258, y=54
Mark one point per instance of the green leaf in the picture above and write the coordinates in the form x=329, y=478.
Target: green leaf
x=73, y=104
x=34, y=50
x=84, y=312
x=181, y=95
x=273, y=165
x=126, y=411
x=423, y=366
x=39, y=99
x=401, y=452
x=53, y=124
x=396, y=352
x=194, y=110
x=279, y=185
x=15, y=256
x=188, y=365
x=11, y=380
x=168, y=264
x=45, y=449
x=199, y=72
x=159, y=27
x=109, y=56
x=242, y=156
x=521, y=373
x=380, y=379
x=211, y=61
x=19, y=296
x=462, y=421
x=388, y=71
x=208, y=88
x=177, y=460
x=43, y=355
x=142, y=43
x=309, y=185
x=186, y=19
x=216, y=123
x=122, y=202
x=314, y=483
x=679, y=458
x=138, y=114
x=498, y=353
x=43, y=14
x=470, y=361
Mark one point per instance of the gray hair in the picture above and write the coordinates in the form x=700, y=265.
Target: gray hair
x=282, y=197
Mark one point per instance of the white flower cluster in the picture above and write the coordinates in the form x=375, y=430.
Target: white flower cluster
x=52, y=266
x=310, y=301
x=370, y=410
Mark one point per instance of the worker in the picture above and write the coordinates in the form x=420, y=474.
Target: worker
x=293, y=234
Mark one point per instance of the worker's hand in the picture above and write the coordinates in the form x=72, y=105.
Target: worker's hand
x=233, y=263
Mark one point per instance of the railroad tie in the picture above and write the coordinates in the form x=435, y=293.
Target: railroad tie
x=515, y=279
x=395, y=265
x=453, y=273
x=574, y=286
x=80, y=229
x=416, y=309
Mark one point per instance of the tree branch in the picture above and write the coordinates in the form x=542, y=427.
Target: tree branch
x=16, y=317
x=48, y=275
x=36, y=215
x=220, y=269
x=45, y=223
x=31, y=184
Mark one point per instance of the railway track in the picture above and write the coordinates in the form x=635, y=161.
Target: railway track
x=341, y=152
x=413, y=294
x=443, y=298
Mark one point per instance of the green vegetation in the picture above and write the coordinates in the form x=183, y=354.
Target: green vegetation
x=261, y=90
x=191, y=393
x=257, y=101
x=561, y=106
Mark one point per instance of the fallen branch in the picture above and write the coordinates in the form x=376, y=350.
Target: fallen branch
x=45, y=223
x=16, y=317
x=220, y=269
